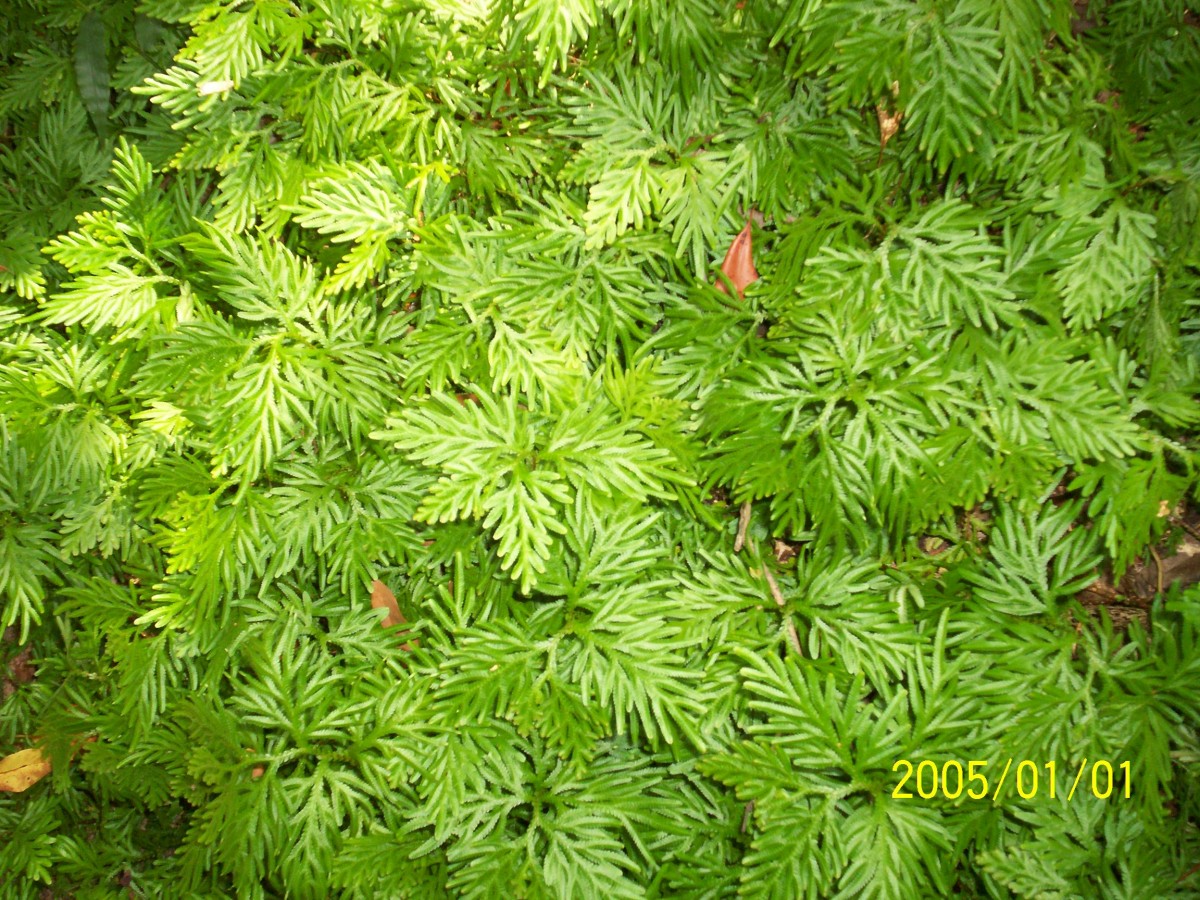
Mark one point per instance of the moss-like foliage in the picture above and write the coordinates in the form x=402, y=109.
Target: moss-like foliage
x=301, y=295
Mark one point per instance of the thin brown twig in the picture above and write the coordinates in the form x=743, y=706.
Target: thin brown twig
x=776, y=593
x=1188, y=874
x=743, y=524
x=793, y=637
x=746, y=813
x=777, y=596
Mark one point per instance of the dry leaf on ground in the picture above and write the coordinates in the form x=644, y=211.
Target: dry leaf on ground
x=383, y=598
x=22, y=770
x=739, y=263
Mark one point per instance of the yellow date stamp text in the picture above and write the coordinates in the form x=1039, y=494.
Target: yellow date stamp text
x=979, y=779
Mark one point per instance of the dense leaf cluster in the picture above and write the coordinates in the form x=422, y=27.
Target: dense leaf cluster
x=300, y=294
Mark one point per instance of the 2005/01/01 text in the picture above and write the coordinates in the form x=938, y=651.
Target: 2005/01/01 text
x=952, y=780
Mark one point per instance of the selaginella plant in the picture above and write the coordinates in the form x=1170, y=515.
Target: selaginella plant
x=723, y=402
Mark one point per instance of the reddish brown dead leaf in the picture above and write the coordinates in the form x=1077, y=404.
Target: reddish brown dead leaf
x=22, y=770
x=739, y=263
x=383, y=598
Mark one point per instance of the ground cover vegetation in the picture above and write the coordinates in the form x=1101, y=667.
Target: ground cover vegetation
x=576, y=449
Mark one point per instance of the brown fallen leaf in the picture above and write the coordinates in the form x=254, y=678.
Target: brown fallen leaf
x=739, y=263
x=22, y=770
x=383, y=598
